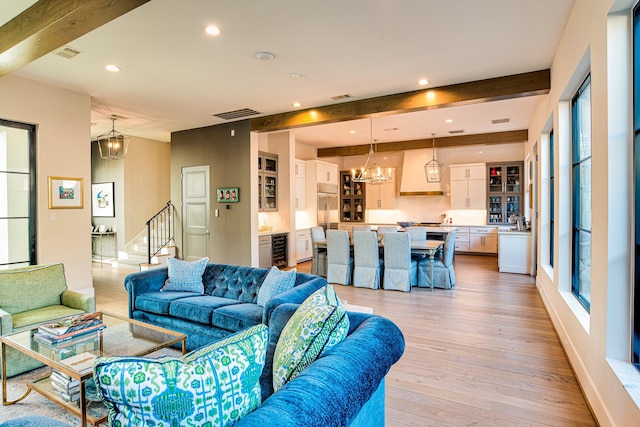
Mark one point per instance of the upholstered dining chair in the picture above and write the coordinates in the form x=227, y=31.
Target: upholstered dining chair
x=319, y=262
x=355, y=228
x=400, y=270
x=444, y=275
x=339, y=259
x=367, y=265
x=417, y=233
x=383, y=229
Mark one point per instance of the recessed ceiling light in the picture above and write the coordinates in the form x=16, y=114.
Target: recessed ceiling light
x=296, y=104
x=296, y=75
x=265, y=56
x=112, y=68
x=352, y=132
x=449, y=121
x=423, y=82
x=212, y=30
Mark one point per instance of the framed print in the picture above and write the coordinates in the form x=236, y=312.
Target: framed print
x=102, y=199
x=228, y=195
x=66, y=193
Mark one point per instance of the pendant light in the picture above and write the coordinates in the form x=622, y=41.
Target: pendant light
x=374, y=174
x=433, y=168
x=113, y=145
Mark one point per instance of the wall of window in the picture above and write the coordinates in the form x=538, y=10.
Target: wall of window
x=581, y=191
x=17, y=195
x=551, y=197
x=635, y=357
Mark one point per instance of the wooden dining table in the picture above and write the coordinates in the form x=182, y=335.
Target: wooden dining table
x=426, y=248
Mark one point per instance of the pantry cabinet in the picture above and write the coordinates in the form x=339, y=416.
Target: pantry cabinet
x=504, y=188
x=267, y=182
x=382, y=196
x=352, y=199
x=468, y=186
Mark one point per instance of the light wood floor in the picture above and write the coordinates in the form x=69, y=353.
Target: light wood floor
x=482, y=354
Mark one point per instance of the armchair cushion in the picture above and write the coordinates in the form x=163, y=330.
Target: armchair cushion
x=215, y=385
x=30, y=288
x=79, y=301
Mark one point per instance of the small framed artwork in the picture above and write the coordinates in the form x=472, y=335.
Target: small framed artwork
x=228, y=195
x=66, y=193
x=102, y=201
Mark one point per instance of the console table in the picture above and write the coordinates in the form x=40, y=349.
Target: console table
x=100, y=235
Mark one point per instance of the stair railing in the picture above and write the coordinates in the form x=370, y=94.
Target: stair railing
x=159, y=231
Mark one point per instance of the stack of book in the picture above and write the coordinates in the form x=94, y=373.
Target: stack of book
x=69, y=328
x=64, y=386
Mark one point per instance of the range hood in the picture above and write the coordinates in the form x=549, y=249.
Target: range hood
x=414, y=181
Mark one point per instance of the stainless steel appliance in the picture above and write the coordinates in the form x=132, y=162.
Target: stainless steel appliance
x=328, y=206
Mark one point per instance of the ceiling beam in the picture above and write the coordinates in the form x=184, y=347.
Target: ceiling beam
x=444, y=142
x=48, y=25
x=495, y=89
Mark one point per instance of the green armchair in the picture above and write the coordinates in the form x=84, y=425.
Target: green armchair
x=33, y=295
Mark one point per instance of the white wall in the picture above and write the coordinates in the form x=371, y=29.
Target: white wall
x=63, y=120
x=597, y=343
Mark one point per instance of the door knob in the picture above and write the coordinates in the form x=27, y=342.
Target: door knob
x=207, y=232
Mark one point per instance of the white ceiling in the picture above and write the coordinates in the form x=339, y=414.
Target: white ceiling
x=175, y=77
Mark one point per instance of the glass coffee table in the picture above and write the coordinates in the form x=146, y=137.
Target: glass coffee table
x=73, y=359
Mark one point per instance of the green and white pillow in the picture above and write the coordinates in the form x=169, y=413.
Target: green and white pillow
x=276, y=282
x=317, y=325
x=213, y=386
x=185, y=276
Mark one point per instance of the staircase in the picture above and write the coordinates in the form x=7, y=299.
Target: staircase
x=151, y=248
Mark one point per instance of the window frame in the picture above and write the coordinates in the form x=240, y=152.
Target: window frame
x=552, y=206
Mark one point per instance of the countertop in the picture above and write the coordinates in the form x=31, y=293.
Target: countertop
x=271, y=232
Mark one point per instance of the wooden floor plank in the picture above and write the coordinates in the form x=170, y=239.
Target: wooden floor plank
x=482, y=354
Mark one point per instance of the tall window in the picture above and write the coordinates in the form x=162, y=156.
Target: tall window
x=17, y=195
x=552, y=208
x=581, y=185
x=635, y=357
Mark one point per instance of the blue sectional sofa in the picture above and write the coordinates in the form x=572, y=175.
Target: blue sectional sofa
x=343, y=387
x=228, y=304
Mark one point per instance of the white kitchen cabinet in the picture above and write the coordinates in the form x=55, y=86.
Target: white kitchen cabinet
x=300, y=202
x=326, y=173
x=514, y=252
x=304, y=249
x=468, y=186
x=462, y=239
x=382, y=196
x=483, y=239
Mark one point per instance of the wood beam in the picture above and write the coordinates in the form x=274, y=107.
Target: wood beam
x=444, y=142
x=48, y=25
x=499, y=88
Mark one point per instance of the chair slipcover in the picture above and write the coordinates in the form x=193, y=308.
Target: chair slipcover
x=360, y=228
x=382, y=230
x=339, y=260
x=417, y=233
x=400, y=270
x=366, y=260
x=319, y=262
x=443, y=274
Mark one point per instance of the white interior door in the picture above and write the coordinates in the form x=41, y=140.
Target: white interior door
x=195, y=212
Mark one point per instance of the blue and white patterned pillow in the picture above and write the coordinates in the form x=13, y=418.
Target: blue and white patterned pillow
x=185, y=276
x=317, y=325
x=215, y=385
x=276, y=282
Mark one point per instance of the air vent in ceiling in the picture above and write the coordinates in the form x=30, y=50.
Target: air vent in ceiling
x=456, y=131
x=237, y=114
x=68, y=52
x=498, y=121
x=339, y=97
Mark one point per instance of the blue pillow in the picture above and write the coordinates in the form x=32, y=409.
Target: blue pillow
x=185, y=276
x=276, y=282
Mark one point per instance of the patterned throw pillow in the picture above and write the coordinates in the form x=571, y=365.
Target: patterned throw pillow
x=185, y=276
x=215, y=385
x=276, y=282
x=317, y=325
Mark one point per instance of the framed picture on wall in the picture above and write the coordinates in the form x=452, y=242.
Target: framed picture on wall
x=228, y=195
x=102, y=200
x=66, y=193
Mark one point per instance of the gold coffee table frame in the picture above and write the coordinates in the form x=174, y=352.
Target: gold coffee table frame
x=135, y=338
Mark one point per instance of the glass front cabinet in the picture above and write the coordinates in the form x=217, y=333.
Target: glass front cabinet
x=267, y=182
x=352, y=199
x=504, y=191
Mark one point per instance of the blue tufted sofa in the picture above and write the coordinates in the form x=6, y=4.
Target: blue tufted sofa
x=227, y=306
x=343, y=387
